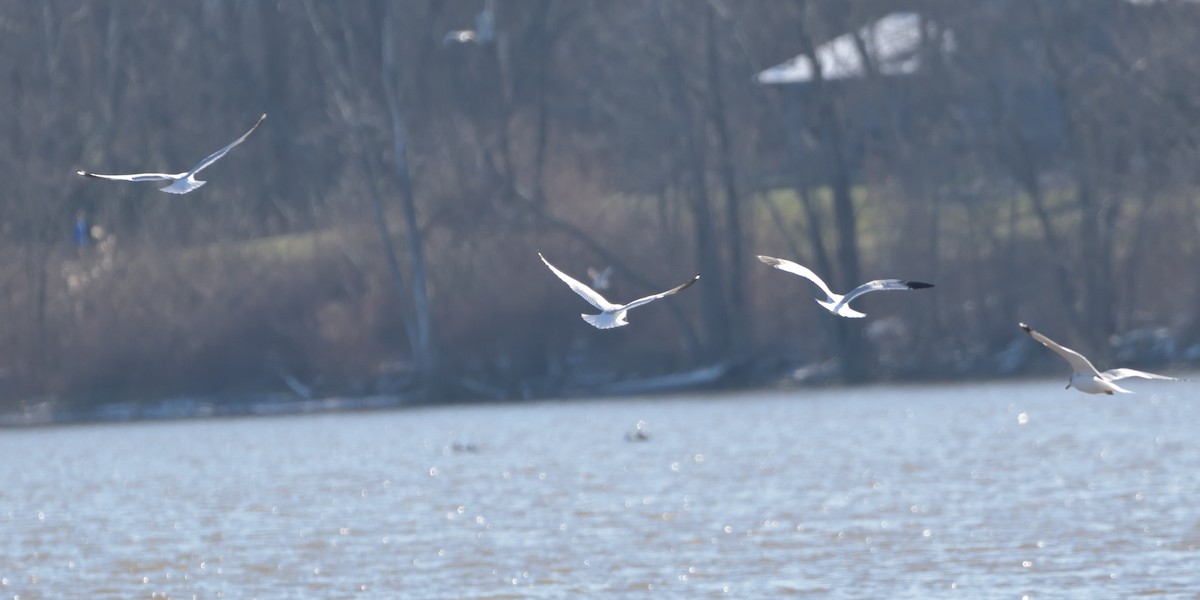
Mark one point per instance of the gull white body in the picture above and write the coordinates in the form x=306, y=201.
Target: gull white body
x=484, y=27
x=1086, y=378
x=1095, y=384
x=839, y=304
x=461, y=36
x=181, y=183
x=599, y=278
x=611, y=315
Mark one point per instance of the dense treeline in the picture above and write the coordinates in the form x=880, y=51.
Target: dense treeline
x=379, y=233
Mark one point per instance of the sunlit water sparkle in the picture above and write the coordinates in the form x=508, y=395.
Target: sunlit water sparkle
x=972, y=490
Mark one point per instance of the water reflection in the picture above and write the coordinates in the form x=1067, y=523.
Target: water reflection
x=919, y=491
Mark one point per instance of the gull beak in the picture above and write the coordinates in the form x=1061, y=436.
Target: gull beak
x=1068, y=386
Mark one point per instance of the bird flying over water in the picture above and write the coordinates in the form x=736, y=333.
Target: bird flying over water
x=839, y=304
x=1086, y=378
x=611, y=315
x=181, y=183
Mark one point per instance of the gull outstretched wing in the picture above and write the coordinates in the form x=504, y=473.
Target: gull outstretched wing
x=1077, y=360
x=132, y=176
x=585, y=292
x=883, y=285
x=674, y=290
x=795, y=269
x=1116, y=374
x=215, y=156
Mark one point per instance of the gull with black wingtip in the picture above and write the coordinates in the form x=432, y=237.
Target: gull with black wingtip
x=181, y=183
x=611, y=315
x=836, y=303
x=1086, y=378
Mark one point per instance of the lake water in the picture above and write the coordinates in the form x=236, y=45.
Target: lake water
x=973, y=490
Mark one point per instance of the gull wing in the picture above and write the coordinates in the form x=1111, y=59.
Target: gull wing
x=1077, y=360
x=1115, y=374
x=795, y=269
x=133, y=177
x=215, y=156
x=882, y=285
x=584, y=291
x=674, y=290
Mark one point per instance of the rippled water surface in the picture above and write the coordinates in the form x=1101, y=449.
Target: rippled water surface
x=974, y=490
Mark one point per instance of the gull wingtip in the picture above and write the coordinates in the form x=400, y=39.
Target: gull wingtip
x=687, y=283
x=1025, y=327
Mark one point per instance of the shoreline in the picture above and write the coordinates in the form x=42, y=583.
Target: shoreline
x=51, y=412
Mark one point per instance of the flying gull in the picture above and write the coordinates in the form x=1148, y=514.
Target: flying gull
x=182, y=183
x=1086, y=378
x=485, y=28
x=461, y=36
x=612, y=315
x=838, y=304
x=599, y=278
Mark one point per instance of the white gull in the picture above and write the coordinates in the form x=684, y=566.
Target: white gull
x=611, y=315
x=1086, y=378
x=181, y=183
x=840, y=304
x=599, y=278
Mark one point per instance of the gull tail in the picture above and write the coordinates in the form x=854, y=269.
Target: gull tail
x=183, y=186
x=839, y=309
x=605, y=320
x=850, y=313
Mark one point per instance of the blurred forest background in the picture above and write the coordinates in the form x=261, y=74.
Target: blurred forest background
x=379, y=234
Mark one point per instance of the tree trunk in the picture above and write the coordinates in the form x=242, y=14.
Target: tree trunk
x=851, y=351
x=1095, y=220
x=713, y=308
x=341, y=93
x=736, y=287
x=428, y=357
x=541, y=17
